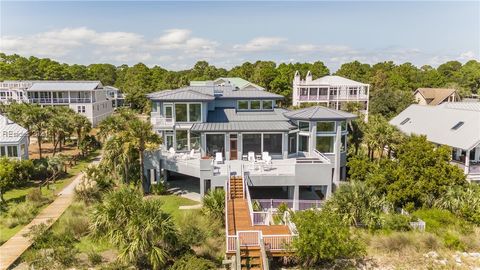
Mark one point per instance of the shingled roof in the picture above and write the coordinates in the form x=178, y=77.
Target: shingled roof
x=435, y=96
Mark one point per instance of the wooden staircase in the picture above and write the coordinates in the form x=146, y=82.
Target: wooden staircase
x=238, y=215
x=236, y=187
x=251, y=258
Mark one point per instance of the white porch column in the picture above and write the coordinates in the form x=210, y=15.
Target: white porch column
x=477, y=153
x=296, y=197
x=467, y=161
x=338, y=142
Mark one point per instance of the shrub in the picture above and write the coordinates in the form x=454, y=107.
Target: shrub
x=358, y=204
x=94, y=258
x=160, y=188
x=452, y=241
x=214, y=204
x=74, y=222
x=192, y=228
x=438, y=221
x=87, y=190
x=189, y=262
x=396, y=222
x=323, y=237
x=393, y=243
x=21, y=214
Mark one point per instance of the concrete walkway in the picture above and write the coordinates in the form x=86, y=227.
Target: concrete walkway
x=11, y=250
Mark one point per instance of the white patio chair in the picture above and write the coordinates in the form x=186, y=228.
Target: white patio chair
x=218, y=158
x=268, y=163
x=265, y=155
x=192, y=154
x=251, y=156
x=171, y=152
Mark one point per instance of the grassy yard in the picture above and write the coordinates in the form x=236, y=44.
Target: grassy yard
x=171, y=203
x=16, y=196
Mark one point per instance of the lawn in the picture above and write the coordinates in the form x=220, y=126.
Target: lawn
x=18, y=195
x=171, y=203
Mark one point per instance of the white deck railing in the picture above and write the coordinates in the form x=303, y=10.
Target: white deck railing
x=278, y=242
x=302, y=204
x=160, y=121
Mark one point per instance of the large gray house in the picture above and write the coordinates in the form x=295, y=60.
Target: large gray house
x=214, y=129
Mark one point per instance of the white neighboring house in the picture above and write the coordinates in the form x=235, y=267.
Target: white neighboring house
x=454, y=124
x=13, y=139
x=88, y=98
x=330, y=91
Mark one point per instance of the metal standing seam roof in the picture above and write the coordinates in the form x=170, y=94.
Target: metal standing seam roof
x=65, y=86
x=436, y=123
x=228, y=119
x=318, y=113
x=259, y=94
x=11, y=132
x=183, y=94
x=232, y=115
x=243, y=126
x=240, y=82
x=336, y=80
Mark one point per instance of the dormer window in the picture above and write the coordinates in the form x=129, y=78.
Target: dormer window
x=242, y=104
x=267, y=104
x=458, y=125
x=255, y=105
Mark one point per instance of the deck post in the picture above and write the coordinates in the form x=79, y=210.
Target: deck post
x=467, y=161
x=296, y=196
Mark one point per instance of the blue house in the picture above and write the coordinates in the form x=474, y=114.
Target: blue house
x=214, y=129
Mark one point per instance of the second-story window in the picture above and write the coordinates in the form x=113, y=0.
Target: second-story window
x=181, y=112
x=304, y=126
x=326, y=126
x=242, y=104
x=195, y=112
x=255, y=105
x=267, y=104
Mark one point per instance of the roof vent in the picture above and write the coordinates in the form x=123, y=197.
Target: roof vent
x=404, y=121
x=458, y=125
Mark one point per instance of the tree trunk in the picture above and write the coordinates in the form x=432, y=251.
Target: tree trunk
x=1, y=196
x=39, y=141
x=142, y=177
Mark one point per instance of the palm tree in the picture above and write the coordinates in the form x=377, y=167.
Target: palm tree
x=39, y=118
x=82, y=127
x=214, y=204
x=139, y=228
x=140, y=135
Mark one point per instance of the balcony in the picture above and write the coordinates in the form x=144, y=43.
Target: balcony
x=60, y=100
x=341, y=96
x=160, y=122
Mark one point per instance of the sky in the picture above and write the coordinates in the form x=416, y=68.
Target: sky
x=175, y=35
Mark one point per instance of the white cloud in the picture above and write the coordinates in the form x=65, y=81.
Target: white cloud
x=123, y=40
x=259, y=44
x=312, y=48
x=174, y=37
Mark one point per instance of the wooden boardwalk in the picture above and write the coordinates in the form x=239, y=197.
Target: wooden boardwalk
x=11, y=250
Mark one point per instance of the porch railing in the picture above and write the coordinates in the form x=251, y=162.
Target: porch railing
x=159, y=121
x=302, y=204
x=278, y=242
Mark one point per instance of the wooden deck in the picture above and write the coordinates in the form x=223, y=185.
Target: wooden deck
x=239, y=220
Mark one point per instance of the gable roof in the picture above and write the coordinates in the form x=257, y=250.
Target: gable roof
x=258, y=94
x=318, y=113
x=337, y=80
x=183, y=94
x=11, y=132
x=65, y=85
x=240, y=82
x=436, y=122
x=435, y=96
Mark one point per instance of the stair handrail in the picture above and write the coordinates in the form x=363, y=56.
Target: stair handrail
x=248, y=198
x=263, y=252
x=238, y=258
